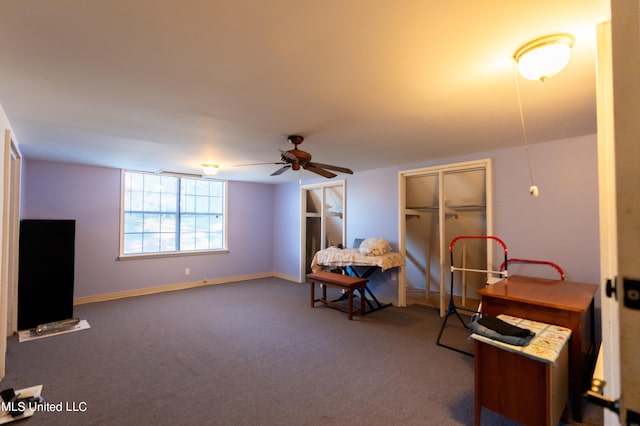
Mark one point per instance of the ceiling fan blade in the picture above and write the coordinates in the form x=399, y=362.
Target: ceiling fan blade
x=288, y=155
x=256, y=164
x=321, y=172
x=281, y=170
x=330, y=167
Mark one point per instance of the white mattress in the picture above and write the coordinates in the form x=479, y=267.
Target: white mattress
x=334, y=256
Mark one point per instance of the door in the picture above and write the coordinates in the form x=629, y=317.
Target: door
x=625, y=18
x=422, y=238
x=438, y=204
x=323, y=219
x=464, y=204
x=618, y=150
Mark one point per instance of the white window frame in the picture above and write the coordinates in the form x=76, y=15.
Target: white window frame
x=223, y=249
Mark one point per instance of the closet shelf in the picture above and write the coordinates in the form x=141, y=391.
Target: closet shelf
x=460, y=207
x=418, y=208
x=467, y=207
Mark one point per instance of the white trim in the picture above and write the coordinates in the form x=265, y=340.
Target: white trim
x=446, y=167
x=4, y=248
x=175, y=287
x=10, y=214
x=121, y=230
x=14, y=237
x=402, y=231
x=225, y=237
x=303, y=233
x=609, y=309
x=288, y=277
x=443, y=243
x=171, y=254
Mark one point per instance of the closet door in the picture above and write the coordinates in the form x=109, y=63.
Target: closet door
x=439, y=204
x=45, y=272
x=323, y=219
x=422, y=238
x=313, y=237
x=465, y=211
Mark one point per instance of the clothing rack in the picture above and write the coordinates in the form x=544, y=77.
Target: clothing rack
x=452, y=308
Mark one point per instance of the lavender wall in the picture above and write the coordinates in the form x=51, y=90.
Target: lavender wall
x=91, y=196
x=372, y=205
x=264, y=220
x=372, y=211
x=560, y=225
x=286, y=230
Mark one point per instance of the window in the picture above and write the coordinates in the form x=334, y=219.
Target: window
x=170, y=214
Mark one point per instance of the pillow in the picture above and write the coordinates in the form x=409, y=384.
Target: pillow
x=374, y=247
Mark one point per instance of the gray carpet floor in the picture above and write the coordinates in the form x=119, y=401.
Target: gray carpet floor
x=250, y=353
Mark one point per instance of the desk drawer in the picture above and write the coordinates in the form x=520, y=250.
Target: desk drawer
x=495, y=307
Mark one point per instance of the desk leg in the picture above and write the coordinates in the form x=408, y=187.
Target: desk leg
x=576, y=376
x=362, y=299
x=477, y=407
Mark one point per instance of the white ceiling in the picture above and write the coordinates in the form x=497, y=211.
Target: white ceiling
x=171, y=84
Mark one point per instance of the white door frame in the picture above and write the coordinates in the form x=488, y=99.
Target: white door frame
x=9, y=250
x=608, y=222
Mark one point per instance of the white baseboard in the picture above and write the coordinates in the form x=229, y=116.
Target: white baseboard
x=174, y=287
x=285, y=277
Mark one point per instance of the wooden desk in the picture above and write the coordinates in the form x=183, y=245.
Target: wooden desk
x=538, y=397
x=563, y=303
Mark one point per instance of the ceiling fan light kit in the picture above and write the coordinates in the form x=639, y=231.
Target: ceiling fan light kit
x=210, y=169
x=544, y=57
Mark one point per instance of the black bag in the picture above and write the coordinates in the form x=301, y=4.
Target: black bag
x=504, y=328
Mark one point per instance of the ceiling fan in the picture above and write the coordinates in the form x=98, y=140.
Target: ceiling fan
x=296, y=158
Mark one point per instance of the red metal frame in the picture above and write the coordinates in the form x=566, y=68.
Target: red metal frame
x=486, y=237
x=541, y=262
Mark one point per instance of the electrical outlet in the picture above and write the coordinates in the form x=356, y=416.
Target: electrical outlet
x=394, y=277
x=187, y=271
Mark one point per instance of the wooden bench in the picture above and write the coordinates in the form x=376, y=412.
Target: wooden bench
x=345, y=282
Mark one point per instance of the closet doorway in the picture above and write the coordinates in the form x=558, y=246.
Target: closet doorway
x=438, y=204
x=323, y=219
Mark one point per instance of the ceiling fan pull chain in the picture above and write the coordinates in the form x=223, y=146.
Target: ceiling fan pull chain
x=533, y=189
